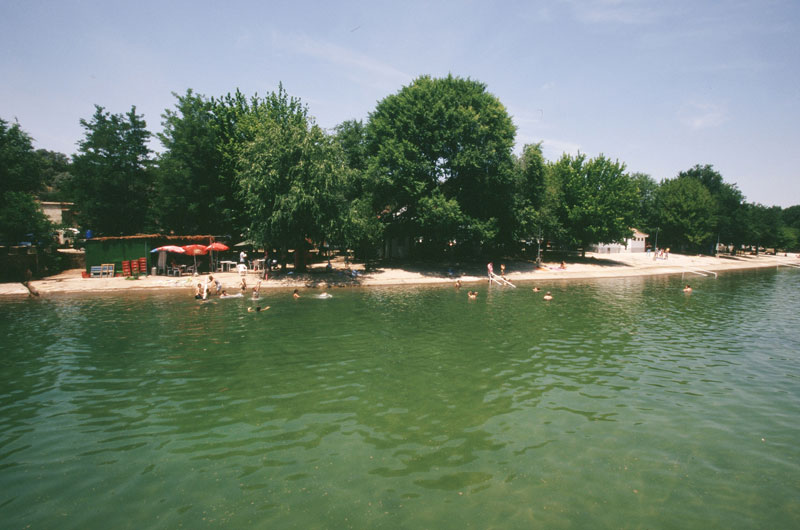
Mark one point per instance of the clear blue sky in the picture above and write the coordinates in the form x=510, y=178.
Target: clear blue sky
x=660, y=85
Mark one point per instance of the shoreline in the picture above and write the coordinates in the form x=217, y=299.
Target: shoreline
x=593, y=266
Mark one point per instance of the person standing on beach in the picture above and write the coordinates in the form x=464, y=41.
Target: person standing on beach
x=242, y=257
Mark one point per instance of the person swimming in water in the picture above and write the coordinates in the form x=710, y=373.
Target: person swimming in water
x=548, y=296
x=256, y=290
x=536, y=289
x=473, y=295
x=296, y=294
x=687, y=289
x=257, y=309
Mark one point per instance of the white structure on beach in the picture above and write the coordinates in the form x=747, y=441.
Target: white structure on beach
x=635, y=243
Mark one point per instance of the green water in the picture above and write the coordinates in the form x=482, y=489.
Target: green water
x=623, y=403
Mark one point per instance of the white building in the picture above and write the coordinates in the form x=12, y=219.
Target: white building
x=635, y=243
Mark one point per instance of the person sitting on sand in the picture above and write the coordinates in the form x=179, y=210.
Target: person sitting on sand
x=563, y=266
x=687, y=289
x=198, y=292
x=548, y=296
x=473, y=295
x=296, y=294
x=257, y=309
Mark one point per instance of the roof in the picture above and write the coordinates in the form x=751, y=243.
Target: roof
x=155, y=236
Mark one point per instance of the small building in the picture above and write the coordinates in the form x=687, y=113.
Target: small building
x=635, y=243
x=57, y=212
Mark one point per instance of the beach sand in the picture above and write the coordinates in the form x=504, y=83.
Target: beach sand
x=592, y=266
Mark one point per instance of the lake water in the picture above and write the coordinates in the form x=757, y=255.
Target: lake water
x=623, y=403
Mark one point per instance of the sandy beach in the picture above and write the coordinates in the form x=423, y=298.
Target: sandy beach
x=593, y=266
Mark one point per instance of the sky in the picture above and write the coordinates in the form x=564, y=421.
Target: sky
x=659, y=85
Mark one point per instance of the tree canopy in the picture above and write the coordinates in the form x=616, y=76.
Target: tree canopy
x=443, y=144
x=597, y=200
x=111, y=181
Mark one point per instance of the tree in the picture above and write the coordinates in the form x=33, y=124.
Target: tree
x=56, y=175
x=763, y=226
x=20, y=169
x=646, y=208
x=530, y=193
x=191, y=197
x=290, y=176
x=437, y=141
x=598, y=199
x=111, y=182
x=727, y=202
x=22, y=220
x=685, y=213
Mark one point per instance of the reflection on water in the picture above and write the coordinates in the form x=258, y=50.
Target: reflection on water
x=621, y=403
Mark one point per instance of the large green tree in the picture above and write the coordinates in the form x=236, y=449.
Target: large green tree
x=190, y=193
x=685, y=214
x=530, y=170
x=598, y=200
x=111, y=181
x=727, y=199
x=443, y=144
x=21, y=219
x=290, y=176
x=20, y=168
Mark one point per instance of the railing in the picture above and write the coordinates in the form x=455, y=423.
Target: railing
x=699, y=272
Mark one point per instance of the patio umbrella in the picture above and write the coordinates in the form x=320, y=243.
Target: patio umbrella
x=216, y=246
x=194, y=251
x=169, y=248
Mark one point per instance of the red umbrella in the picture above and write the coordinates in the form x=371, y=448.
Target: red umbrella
x=194, y=251
x=216, y=246
x=170, y=248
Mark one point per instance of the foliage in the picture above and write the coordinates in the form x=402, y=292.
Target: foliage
x=20, y=168
x=56, y=168
x=190, y=196
x=646, y=208
x=21, y=220
x=289, y=175
x=685, y=213
x=530, y=193
x=442, y=140
x=111, y=182
x=598, y=199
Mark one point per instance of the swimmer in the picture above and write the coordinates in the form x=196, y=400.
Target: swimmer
x=324, y=295
x=536, y=289
x=473, y=295
x=256, y=289
x=548, y=296
x=458, y=284
x=687, y=289
x=295, y=294
x=257, y=309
